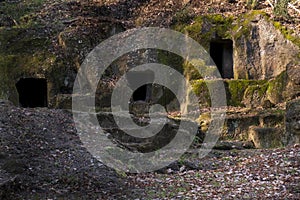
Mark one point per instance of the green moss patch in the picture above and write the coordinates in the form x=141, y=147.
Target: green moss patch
x=170, y=59
x=203, y=28
x=21, y=12
x=21, y=40
x=200, y=89
x=23, y=52
x=288, y=34
x=243, y=23
x=276, y=88
x=259, y=89
x=236, y=90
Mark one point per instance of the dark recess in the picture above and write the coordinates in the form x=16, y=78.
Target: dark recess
x=32, y=92
x=221, y=52
x=140, y=94
x=136, y=79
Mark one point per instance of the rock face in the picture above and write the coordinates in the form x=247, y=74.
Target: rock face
x=293, y=85
x=261, y=48
x=265, y=62
x=266, y=137
x=265, y=128
x=264, y=52
x=293, y=121
x=260, y=51
x=169, y=129
x=49, y=52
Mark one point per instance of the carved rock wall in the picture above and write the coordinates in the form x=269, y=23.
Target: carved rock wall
x=293, y=121
x=264, y=52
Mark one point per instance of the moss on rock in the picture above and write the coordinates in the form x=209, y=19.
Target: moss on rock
x=255, y=95
x=241, y=93
x=200, y=89
x=276, y=88
x=23, y=53
x=235, y=91
x=21, y=12
x=170, y=59
x=287, y=33
x=204, y=28
x=243, y=23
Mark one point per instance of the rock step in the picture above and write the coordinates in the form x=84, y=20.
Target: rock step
x=270, y=137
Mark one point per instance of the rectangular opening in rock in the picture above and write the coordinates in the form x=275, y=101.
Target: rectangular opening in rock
x=221, y=52
x=32, y=92
x=140, y=94
x=141, y=83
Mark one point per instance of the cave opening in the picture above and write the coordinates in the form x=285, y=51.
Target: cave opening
x=221, y=51
x=140, y=94
x=32, y=92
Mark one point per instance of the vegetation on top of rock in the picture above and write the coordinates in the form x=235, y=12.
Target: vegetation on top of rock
x=203, y=27
x=244, y=21
x=19, y=13
x=288, y=33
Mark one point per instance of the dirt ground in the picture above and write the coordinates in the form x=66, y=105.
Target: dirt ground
x=42, y=157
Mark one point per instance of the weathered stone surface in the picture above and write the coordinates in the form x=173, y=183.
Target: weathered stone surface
x=236, y=127
x=263, y=53
x=139, y=107
x=255, y=96
x=293, y=121
x=237, y=122
x=28, y=53
x=293, y=85
x=229, y=145
x=7, y=21
x=63, y=101
x=5, y=102
x=250, y=93
x=294, y=74
x=260, y=52
x=117, y=127
x=266, y=137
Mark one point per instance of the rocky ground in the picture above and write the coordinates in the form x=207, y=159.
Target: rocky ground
x=247, y=174
x=42, y=157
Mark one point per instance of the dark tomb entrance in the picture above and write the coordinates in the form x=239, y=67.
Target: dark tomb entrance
x=221, y=52
x=32, y=92
x=141, y=93
x=136, y=78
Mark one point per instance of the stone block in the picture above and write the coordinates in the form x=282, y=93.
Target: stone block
x=266, y=137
